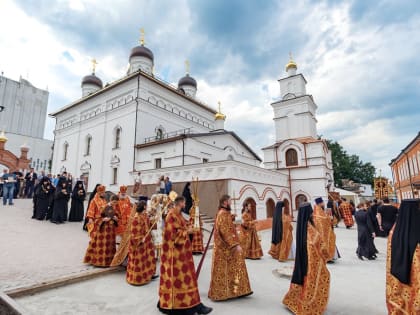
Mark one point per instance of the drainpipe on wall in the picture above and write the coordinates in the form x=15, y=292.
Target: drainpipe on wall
x=135, y=128
x=183, y=151
x=291, y=194
x=409, y=174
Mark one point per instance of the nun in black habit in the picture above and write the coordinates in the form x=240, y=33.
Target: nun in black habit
x=78, y=197
x=42, y=197
x=61, y=201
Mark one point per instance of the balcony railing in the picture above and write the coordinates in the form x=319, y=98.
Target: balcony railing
x=168, y=135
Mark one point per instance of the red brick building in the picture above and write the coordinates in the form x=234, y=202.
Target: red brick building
x=406, y=171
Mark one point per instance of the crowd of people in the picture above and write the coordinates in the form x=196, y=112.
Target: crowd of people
x=167, y=228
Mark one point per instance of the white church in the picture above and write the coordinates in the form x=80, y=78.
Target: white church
x=140, y=123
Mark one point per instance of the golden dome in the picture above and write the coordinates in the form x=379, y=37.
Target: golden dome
x=3, y=137
x=219, y=115
x=291, y=63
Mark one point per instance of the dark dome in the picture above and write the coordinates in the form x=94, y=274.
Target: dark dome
x=92, y=79
x=141, y=51
x=187, y=80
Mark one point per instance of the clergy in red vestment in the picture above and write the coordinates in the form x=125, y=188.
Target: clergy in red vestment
x=178, y=289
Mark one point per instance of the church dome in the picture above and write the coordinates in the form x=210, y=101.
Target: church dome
x=291, y=65
x=141, y=51
x=92, y=79
x=3, y=137
x=187, y=80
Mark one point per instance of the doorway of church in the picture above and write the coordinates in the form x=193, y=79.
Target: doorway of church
x=300, y=199
x=253, y=207
x=270, y=205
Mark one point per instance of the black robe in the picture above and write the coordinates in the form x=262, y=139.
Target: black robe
x=365, y=247
x=301, y=261
x=41, y=202
x=188, y=198
x=389, y=217
x=60, y=208
x=405, y=239
x=277, y=228
x=77, y=209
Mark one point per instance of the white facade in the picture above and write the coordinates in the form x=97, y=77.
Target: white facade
x=140, y=123
x=25, y=108
x=298, y=151
x=159, y=110
x=23, y=120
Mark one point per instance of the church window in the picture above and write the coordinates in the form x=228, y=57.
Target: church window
x=159, y=134
x=158, y=163
x=88, y=144
x=291, y=157
x=205, y=161
x=65, y=151
x=115, y=176
x=117, y=138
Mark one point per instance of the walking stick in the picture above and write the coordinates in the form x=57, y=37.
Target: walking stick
x=205, y=252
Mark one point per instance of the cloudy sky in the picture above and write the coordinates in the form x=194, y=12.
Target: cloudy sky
x=361, y=58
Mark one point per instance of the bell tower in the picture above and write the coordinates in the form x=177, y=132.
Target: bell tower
x=294, y=113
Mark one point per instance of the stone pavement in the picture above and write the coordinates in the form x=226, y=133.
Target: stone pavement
x=357, y=287
x=36, y=251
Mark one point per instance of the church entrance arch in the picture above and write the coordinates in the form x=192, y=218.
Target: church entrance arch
x=253, y=207
x=270, y=205
x=300, y=199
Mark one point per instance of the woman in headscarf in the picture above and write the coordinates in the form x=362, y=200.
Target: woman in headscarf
x=282, y=233
x=78, y=196
x=249, y=236
x=403, y=261
x=91, y=196
x=310, y=285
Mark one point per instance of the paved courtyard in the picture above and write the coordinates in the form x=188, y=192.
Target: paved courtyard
x=38, y=251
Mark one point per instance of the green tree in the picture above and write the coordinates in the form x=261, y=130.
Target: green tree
x=349, y=166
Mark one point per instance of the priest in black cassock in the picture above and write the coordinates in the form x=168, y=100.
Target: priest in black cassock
x=78, y=196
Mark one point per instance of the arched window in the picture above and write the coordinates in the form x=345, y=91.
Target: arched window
x=65, y=150
x=291, y=157
x=88, y=144
x=117, y=138
x=159, y=134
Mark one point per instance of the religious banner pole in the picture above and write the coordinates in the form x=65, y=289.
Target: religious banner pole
x=200, y=264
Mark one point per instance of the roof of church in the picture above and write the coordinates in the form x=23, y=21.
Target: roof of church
x=303, y=140
x=187, y=80
x=295, y=75
x=92, y=79
x=197, y=135
x=125, y=79
x=141, y=51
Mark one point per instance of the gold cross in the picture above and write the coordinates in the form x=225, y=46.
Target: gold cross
x=290, y=55
x=220, y=105
x=94, y=63
x=142, y=36
x=187, y=66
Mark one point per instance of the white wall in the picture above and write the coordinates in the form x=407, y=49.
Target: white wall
x=25, y=107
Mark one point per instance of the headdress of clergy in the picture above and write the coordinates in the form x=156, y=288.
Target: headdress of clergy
x=405, y=239
x=301, y=261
